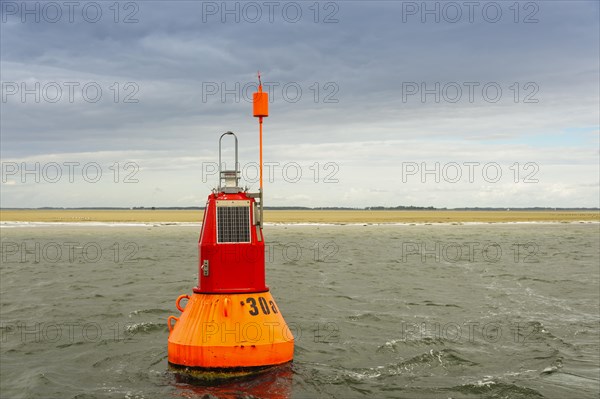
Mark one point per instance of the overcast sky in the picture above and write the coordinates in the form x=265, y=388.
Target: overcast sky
x=444, y=104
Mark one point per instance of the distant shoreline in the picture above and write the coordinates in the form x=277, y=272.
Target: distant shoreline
x=299, y=216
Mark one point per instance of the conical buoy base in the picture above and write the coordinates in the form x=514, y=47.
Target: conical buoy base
x=229, y=332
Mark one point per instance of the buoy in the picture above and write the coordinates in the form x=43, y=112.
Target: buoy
x=230, y=325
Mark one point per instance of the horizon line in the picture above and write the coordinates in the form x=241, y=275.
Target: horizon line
x=365, y=208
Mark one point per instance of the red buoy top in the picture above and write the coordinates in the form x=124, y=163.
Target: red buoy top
x=231, y=246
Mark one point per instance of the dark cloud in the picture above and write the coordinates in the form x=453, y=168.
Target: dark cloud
x=158, y=74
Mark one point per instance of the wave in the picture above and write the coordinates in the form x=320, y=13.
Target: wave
x=493, y=389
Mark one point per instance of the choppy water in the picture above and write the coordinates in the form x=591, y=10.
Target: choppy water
x=450, y=311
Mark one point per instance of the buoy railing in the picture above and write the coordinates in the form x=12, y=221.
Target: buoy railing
x=228, y=177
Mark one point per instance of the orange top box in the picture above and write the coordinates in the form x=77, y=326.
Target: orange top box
x=261, y=104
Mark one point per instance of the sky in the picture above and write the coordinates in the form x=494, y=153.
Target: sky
x=372, y=103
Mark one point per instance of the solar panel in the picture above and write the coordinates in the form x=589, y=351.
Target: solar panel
x=233, y=221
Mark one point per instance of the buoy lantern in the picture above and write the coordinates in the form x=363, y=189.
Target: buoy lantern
x=230, y=324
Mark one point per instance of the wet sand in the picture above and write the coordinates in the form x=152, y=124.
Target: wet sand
x=301, y=216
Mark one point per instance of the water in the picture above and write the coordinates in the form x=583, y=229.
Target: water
x=402, y=311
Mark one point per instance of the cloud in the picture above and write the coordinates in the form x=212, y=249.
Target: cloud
x=362, y=87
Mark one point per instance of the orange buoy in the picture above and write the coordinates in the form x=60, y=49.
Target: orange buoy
x=231, y=324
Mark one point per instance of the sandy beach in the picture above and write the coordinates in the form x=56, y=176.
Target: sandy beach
x=301, y=216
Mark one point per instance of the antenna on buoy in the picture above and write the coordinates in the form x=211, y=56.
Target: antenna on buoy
x=260, y=101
